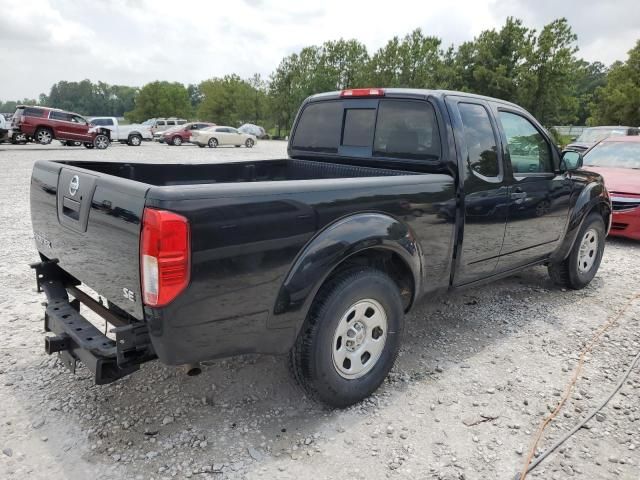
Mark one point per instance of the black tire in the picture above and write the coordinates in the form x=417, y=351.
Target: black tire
x=134, y=140
x=213, y=143
x=249, y=143
x=572, y=272
x=312, y=358
x=101, y=141
x=177, y=141
x=44, y=136
x=88, y=145
x=200, y=145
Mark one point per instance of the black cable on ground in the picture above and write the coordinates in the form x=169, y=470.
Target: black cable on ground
x=584, y=421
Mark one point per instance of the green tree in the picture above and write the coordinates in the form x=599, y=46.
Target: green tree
x=161, y=99
x=229, y=100
x=618, y=101
x=547, y=82
x=413, y=61
x=492, y=64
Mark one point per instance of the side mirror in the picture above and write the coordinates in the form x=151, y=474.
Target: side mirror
x=571, y=160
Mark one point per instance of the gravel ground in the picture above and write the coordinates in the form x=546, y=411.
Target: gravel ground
x=478, y=371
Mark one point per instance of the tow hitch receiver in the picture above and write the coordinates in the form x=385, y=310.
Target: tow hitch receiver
x=77, y=339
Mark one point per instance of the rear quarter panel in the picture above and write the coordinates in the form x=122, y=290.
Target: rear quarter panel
x=245, y=238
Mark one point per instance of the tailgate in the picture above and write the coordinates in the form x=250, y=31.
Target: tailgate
x=90, y=223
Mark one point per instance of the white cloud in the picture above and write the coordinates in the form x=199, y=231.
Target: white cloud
x=133, y=42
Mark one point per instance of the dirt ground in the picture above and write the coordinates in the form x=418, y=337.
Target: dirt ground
x=478, y=371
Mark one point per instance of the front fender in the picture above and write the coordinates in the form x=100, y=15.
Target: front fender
x=332, y=246
x=593, y=196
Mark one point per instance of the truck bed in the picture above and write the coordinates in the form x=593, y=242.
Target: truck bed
x=260, y=171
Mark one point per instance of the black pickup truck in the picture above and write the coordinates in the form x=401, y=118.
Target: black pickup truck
x=387, y=196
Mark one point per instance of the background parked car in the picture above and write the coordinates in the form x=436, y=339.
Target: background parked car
x=132, y=134
x=45, y=124
x=179, y=135
x=159, y=125
x=256, y=130
x=590, y=136
x=617, y=159
x=4, y=129
x=215, y=136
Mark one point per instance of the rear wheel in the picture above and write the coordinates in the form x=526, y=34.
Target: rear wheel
x=350, y=339
x=135, y=140
x=582, y=264
x=44, y=136
x=19, y=138
x=177, y=140
x=213, y=142
x=249, y=143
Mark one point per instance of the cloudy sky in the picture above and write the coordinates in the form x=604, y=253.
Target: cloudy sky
x=131, y=42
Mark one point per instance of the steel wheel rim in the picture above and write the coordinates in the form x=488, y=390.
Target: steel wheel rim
x=101, y=142
x=249, y=143
x=135, y=140
x=44, y=136
x=588, y=251
x=177, y=141
x=359, y=339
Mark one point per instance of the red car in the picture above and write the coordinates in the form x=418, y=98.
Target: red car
x=617, y=159
x=44, y=124
x=178, y=135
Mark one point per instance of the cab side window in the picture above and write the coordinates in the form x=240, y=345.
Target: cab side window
x=528, y=149
x=481, y=142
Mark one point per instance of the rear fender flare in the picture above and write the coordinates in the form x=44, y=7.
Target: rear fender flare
x=330, y=248
x=593, y=197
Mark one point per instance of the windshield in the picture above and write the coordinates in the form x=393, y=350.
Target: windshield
x=148, y=122
x=593, y=135
x=614, y=154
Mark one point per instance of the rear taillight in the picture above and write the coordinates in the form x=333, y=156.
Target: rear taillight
x=164, y=256
x=363, y=92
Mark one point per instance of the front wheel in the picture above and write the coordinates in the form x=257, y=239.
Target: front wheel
x=350, y=338
x=177, y=141
x=101, y=141
x=213, y=143
x=135, y=140
x=249, y=143
x=582, y=264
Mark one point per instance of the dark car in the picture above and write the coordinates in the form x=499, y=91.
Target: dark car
x=182, y=134
x=387, y=196
x=43, y=125
x=617, y=159
x=590, y=136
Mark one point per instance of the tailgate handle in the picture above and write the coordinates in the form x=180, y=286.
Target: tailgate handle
x=71, y=208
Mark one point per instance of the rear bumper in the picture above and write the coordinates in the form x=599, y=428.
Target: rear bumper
x=76, y=339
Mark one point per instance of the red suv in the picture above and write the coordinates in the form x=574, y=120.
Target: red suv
x=46, y=124
x=178, y=135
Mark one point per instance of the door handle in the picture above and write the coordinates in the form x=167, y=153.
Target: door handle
x=518, y=194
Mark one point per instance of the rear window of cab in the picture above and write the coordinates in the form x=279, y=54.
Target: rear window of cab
x=389, y=128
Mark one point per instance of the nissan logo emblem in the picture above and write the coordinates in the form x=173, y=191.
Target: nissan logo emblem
x=74, y=185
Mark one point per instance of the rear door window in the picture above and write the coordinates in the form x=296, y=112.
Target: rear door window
x=482, y=148
x=319, y=127
x=171, y=122
x=406, y=130
x=33, y=112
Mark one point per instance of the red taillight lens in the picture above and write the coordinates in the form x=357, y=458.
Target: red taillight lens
x=363, y=92
x=164, y=256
